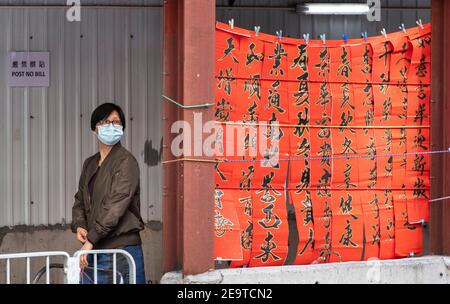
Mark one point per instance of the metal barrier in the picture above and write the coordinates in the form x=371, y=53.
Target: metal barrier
x=114, y=252
x=70, y=265
x=28, y=257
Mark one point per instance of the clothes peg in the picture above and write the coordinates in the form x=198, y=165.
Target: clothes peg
x=279, y=34
x=383, y=32
x=306, y=38
x=421, y=221
x=402, y=27
x=364, y=36
x=323, y=37
x=344, y=37
x=231, y=23
x=419, y=23
x=257, y=29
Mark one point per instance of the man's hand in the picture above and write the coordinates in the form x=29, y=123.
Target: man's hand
x=83, y=259
x=82, y=235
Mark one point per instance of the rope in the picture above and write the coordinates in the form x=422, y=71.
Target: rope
x=203, y=105
x=224, y=160
x=190, y=159
x=321, y=126
x=340, y=157
x=439, y=199
x=359, y=156
x=327, y=81
x=320, y=158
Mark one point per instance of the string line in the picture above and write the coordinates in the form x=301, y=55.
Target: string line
x=202, y=105
x=325, y=158
x=320, y=126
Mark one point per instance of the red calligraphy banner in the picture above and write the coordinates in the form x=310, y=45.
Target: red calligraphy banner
x=306, y=253
x=227, y=227
x=408, y=240
x=270, y=228
x=361, y=57
x=371, y=217
x=348, y=226
x=387, y=225
x=339, y=131
x=323, y=218
x=244, y=209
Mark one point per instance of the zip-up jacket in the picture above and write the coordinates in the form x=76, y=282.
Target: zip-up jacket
x=112, y=214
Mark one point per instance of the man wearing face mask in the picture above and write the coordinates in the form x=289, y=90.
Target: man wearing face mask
x=106, y=213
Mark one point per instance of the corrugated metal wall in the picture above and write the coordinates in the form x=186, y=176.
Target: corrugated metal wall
x=112, y=55
x=294, y=25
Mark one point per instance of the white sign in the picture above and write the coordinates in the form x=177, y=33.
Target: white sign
x=29, y=69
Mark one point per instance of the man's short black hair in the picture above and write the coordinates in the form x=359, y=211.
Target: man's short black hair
x=103, y=111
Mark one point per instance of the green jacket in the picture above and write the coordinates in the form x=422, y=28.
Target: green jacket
x=112, y=215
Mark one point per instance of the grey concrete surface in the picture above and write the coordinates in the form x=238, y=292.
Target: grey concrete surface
x=428, y=269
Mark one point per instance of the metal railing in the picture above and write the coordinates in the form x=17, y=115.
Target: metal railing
x=131, y=264
x=28, y=257
x=70, y=265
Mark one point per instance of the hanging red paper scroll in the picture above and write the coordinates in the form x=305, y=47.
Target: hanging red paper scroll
x=227, y=228
x=418, y=165
x=387, y=225
x=371, y=218
x=275, y=65
x=244, y=207
x=320, y=135
x=361, y=62
x=418, y=175
x=300, y=168
x=322, y=213
x=270, y=227
x=347, y=227
x=342, y=130
x=408, y=237
x=251, y=58
x=299, y=115
x=318, y=63
x=306, y=254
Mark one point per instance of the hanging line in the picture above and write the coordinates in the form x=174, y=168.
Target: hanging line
x=203, y=105
x=439, y=199
x=191, y=160
x=225, y=160
x=380, y=83
x=319, y=126
x=338, y=157
x=318, y=158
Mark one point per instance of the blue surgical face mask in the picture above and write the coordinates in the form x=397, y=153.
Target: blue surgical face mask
x=110, y=134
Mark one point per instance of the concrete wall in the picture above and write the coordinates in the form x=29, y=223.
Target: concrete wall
x=429, y=270
x=60, y=238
